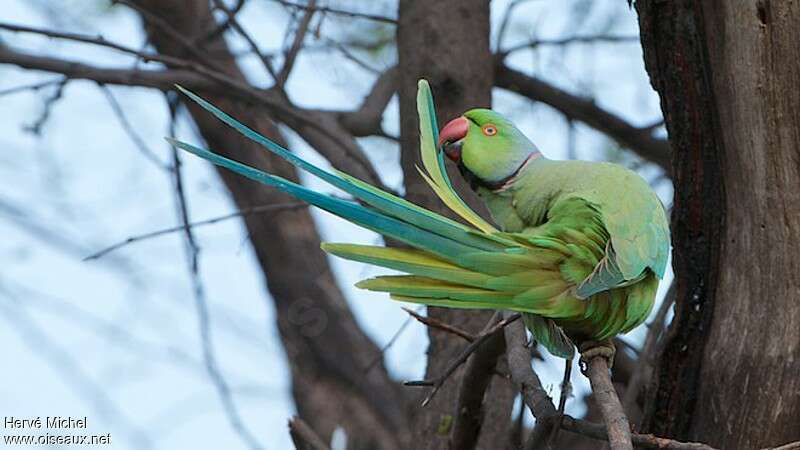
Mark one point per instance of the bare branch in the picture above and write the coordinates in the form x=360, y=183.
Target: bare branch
x=159, y=79
x=233, y=23
x=389, y=343
x=505, y=21
x=31, y=87
x=602, y=38
x=366, y=120
x=163, y=26
x=204, y=318
x=325, y=9
x=438, y=324
x=638, y=140
x=541, y=405
x=619, y=429
x=320, y=129
x=491, y=328
x=278, y=207
x=478, y=373
x=131, y=132
x=303, y=437
x=97, y=40
x=297, y=44
x=47, y=108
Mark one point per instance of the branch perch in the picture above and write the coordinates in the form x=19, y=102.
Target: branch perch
x=541, y=405
x=491, y=328
x=619, y=429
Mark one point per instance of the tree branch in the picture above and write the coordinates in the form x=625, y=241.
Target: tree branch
x=478, y=374
x=640, y=141
x=438, y=324
x=276, y=208
x=320, y=129
x=341, y=12
x=541, y=405
x=233, y=23
x=491, y=328
x=297, y=44
x=619, y=429
x=366, y=120
x=567, y=41
x=303, y=437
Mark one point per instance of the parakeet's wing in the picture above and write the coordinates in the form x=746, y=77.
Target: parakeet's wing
x=637, y=223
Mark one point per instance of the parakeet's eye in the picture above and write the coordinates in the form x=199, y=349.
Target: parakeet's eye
x=489, y=130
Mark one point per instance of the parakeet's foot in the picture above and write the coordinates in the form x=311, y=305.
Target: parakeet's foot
x=593, y=349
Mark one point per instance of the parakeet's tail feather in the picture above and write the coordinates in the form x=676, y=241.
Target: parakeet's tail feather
x=385, y=202
x=433, y=162
x=368, y=218
x=550, y=335
x=410, y=261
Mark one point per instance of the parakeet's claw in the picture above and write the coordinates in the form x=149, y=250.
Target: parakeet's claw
x=593, y=349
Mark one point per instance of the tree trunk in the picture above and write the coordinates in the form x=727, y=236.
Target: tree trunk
x=447, y=42
x=326, y=350
x=728, y=75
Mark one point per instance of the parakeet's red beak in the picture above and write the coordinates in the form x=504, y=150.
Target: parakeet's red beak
x=451, y=135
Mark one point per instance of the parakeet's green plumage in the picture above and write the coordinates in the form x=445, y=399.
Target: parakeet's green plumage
x=580, y=249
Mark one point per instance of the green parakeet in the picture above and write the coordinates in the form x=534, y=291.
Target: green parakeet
x=579, y=251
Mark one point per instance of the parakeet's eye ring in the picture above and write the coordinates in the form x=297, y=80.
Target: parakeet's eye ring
x=489, y=130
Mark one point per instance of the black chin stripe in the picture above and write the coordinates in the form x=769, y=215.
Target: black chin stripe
x=475, y=182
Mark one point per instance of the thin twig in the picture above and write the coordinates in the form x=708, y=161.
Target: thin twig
x=31, y=87
x=505, y=21
x=204, y=318
x=439, y=325
x=277, y=207
x=438, y=382
x=297, y=44
x=167, y=29
x=566, y=391
x=472, y=390
x=220, y=28
x=341, y=12
x=379, y=356
x=231, y=20
x=49, y=101
x=304, y=437
x=98, y=40
x=569, y=41
x=131, y=131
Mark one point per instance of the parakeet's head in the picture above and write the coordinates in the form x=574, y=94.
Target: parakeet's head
x=487, y=147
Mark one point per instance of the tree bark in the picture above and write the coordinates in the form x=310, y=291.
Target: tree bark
x=728, y=74
x=447, y=43
x=326, y=349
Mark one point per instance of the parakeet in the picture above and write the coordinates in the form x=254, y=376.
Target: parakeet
x=579, y=248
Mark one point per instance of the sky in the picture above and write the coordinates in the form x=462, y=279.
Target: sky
x=116, y=339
